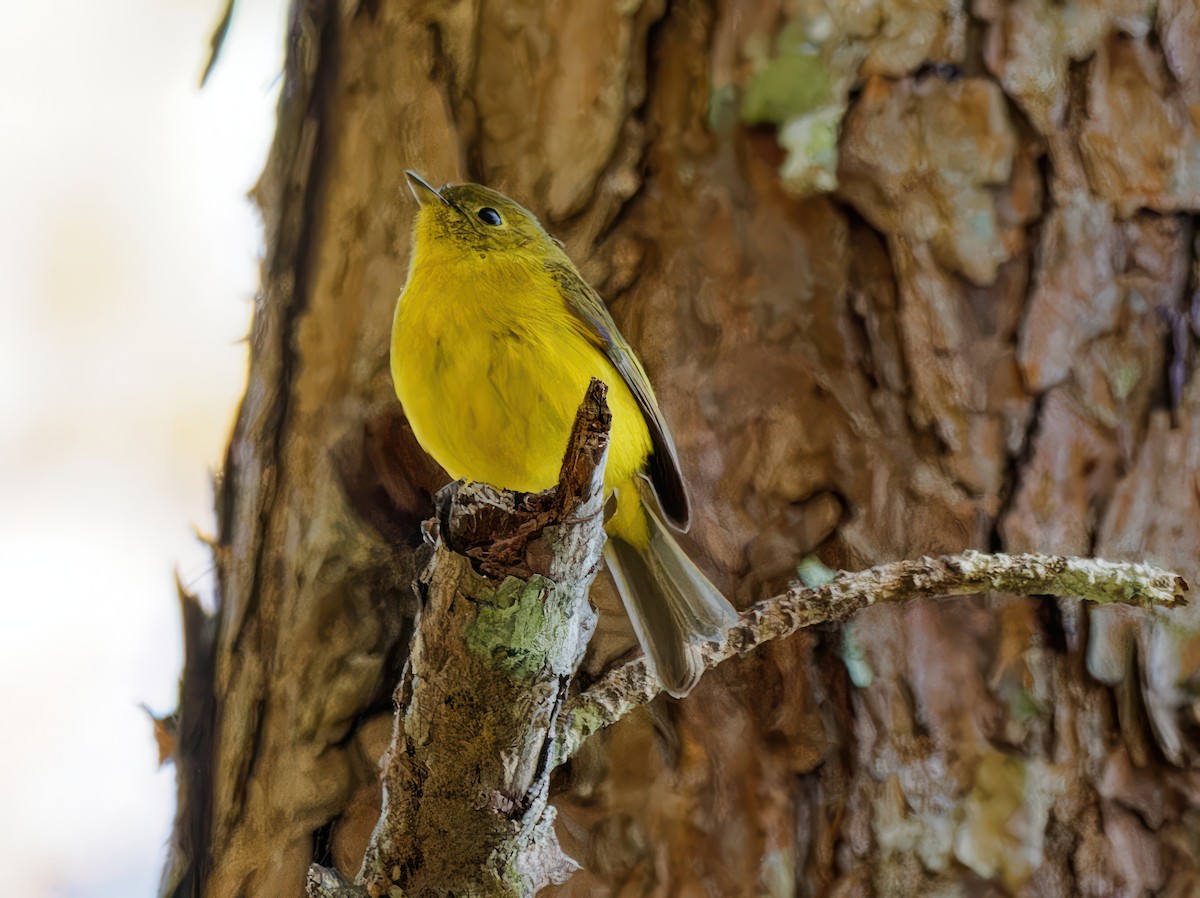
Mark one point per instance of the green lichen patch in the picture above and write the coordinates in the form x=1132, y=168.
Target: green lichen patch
x=524, y=628
x=787, y=87
x=794, y=89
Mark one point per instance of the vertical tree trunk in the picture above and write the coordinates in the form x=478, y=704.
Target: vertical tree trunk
x=908, y=278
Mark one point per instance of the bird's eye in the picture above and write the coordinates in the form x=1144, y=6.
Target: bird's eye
x=489, y=216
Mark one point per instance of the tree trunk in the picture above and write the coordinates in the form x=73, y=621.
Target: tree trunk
x=908, y=279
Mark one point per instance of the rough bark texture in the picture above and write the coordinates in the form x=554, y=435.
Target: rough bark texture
x=909, y=277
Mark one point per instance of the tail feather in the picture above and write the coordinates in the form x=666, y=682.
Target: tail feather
x=672, y=604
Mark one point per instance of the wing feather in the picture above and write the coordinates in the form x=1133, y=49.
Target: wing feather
x=664, y=473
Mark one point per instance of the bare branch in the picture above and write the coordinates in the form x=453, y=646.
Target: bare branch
x=624, y=688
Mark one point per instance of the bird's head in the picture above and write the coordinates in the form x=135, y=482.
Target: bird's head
x=475, y=219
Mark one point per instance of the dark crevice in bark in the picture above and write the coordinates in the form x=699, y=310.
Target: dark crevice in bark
x=1134, y=722
x=322, y=852
x=861, y=230
x=1050, y=623
x=834, y=694
x=1016, y=468
x=387, y=478
x=369, y=8
x=944, y=71
x=1180, y=336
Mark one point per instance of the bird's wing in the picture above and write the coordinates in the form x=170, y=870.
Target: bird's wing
x=586, y=303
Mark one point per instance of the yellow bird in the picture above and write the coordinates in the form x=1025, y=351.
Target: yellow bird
x=495, y=339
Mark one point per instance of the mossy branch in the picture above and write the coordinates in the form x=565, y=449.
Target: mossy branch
x=624, y=688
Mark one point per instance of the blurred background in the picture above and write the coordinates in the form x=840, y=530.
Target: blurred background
x=128, y=264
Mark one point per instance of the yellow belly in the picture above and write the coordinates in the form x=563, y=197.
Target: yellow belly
x=491, y=386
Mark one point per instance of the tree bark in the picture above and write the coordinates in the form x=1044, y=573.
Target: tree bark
x=909, y=278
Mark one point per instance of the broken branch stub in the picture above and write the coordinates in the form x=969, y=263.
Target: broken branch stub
x=503, y=626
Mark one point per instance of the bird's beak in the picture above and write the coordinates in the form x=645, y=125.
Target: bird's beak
x=425, y=194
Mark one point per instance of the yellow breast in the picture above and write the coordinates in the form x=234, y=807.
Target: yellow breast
x=491, y=365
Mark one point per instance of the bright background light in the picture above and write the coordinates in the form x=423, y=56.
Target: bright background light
x=128, y=260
